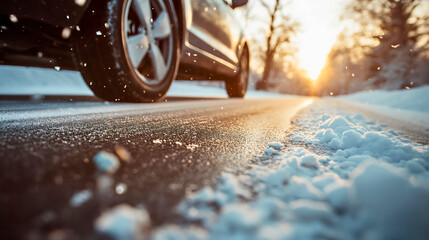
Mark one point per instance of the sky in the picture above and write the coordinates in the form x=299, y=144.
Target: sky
x=320, y=26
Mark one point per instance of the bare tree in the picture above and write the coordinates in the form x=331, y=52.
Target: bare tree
x=280, y=31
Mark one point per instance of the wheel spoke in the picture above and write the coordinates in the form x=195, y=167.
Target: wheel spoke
x=161, y=27
x=158, y=62
x=143, y=10
x=138, y=46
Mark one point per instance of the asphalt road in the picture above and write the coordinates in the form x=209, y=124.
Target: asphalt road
x=46, y=151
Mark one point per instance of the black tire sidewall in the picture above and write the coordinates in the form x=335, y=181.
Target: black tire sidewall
x=233, y=86
x=110, y=53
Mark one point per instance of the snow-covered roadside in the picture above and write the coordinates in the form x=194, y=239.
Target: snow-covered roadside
x=16, y=80
x=340, y=177
x=410, y=105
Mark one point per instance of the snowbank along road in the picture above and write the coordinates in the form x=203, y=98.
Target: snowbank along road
x=284, y=168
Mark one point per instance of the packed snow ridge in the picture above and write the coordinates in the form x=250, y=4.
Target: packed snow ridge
x=340, y=177
x=409, y=105
x=415, y=99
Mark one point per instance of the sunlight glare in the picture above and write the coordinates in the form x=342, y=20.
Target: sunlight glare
x=319, y=30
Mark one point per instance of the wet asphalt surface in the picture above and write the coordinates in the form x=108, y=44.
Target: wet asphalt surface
x=46, y=151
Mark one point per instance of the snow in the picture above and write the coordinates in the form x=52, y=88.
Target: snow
x=397, y=207
x=410, y=105
x=171, y=232
x=106, y=162
x=414, y=99
x=81, y=3
x=342, y=178
x=13, y=18
x=121, y=188
x=310, y=161
x=80, y=198
x=123, y=222
x=17, y=80
x=276, y=145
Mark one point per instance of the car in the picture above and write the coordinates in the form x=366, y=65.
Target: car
x=129, y=50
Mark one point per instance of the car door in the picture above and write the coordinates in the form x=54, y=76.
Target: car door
x=214, y=29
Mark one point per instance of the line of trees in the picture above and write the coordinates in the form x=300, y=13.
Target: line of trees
x=387, y=46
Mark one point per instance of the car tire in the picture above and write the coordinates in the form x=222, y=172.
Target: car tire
x=128, y=50
x=236, y=87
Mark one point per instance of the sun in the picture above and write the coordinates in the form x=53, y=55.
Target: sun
x=314, y=44
x=319, y=30
x=312, y=63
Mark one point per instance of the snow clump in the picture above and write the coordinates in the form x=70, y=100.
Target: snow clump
x=106, y=162
x=80, y=198
x=123, y=222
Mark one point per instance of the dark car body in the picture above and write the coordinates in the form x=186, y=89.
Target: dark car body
x=211, y=37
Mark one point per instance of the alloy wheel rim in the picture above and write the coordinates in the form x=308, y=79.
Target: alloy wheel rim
x=148, y=39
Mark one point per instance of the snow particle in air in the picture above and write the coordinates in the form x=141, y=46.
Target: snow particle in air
x=66, y=33
x=98, y=33
x=13, y=18
x=80, y=2
x=121, y=188
x=80, y=197
x=58, y=68
x=123, y=154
